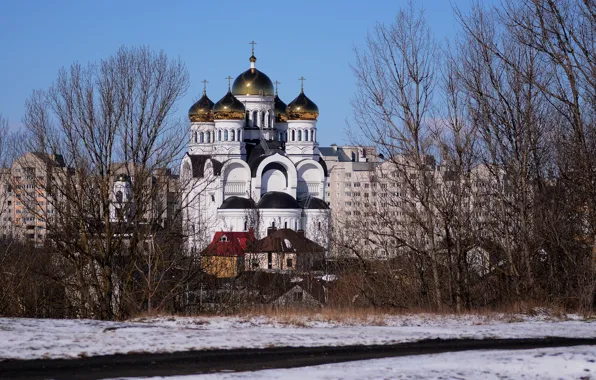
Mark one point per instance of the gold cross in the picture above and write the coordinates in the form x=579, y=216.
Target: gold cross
x=276, y=83
x=253, y=43
x=302, y=79
x=205, y=86
x=229, y=78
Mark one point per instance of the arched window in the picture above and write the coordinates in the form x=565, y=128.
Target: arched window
x=233, y=135
x=207, y=137
x=300, y=135
x=306, y=136
x=219, y=135
x=202, y=137
x=254, y=118
x=293, y=135
x=226, y=135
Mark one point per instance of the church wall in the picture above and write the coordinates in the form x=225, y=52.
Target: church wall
x=283, y=218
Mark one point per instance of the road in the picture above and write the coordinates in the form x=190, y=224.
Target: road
x=197, y=362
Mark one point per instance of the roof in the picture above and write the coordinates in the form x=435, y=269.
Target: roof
x=287, y=240
x=50, y=159
x=235, y=202
x=257, y=154
x=277, y=199
x=228, y=243
x=314, y=204
x=198, y=162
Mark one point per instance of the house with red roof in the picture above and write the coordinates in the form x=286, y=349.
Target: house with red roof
x=224, y=256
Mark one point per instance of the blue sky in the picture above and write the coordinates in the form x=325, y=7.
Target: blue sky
x=314, y=39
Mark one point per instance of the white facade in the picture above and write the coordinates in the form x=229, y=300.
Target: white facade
x=251, y=165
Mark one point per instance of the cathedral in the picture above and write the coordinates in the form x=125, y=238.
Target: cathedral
x=253, y=163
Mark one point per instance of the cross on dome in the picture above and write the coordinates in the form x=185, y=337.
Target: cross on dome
x=204, y=81
x=252, y=58
x=276, y=83
x=302, y=79
x=229, y=78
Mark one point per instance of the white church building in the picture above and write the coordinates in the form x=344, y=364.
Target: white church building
x=253, y=162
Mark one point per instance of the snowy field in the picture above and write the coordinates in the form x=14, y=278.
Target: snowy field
x=547, y=363
x=48, y=338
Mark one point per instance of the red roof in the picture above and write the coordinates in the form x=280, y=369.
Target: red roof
x=228, y=243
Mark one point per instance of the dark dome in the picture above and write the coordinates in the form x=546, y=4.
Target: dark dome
x=202, y=110
x=280, y=110
x=314, y=204
x=122, y=178
x=302, y=108
x=235, y=202
x=229, y=108
x=277, y=199
x=253, y=82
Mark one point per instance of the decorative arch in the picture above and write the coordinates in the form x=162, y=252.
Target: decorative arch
x=310, y=177
x=287, y=164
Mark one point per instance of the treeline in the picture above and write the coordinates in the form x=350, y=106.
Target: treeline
x=489, y=146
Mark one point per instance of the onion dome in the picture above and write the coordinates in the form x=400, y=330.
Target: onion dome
x=202, y=110
x=229, y=108
x=253, y=82
x=122, y=178
x=279, y=107
x=302, y=108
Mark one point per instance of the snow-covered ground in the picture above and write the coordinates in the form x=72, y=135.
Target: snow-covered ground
x=547, y=363
x=50, y=338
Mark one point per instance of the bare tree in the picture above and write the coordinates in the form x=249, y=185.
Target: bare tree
x=395, y=76
x=97, y=122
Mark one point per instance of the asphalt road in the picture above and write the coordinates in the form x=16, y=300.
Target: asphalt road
x=198, y=362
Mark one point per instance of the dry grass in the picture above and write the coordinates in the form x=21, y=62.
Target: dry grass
x=299, y=317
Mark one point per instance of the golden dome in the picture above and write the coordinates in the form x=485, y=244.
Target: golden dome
x=252, y=82
x=202, y=110
x=280, y=110
x=302, y=108
x=229, y=108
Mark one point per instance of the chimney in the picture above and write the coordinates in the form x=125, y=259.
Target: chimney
x=300, y=233
x=271, y=230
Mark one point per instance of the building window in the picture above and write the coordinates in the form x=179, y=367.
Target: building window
x=297, y=296
x=289, y=263
x=293, y=135
x=218, y=135
x=226, y=135
x=202, y=137
x=233, y=136
x=299, y=135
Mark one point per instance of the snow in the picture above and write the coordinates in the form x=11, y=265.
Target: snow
x=548, y=363
x=51, y=338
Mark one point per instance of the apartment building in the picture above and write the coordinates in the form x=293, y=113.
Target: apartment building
x=377, y=202
x=35, y=186
x=27, y=196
